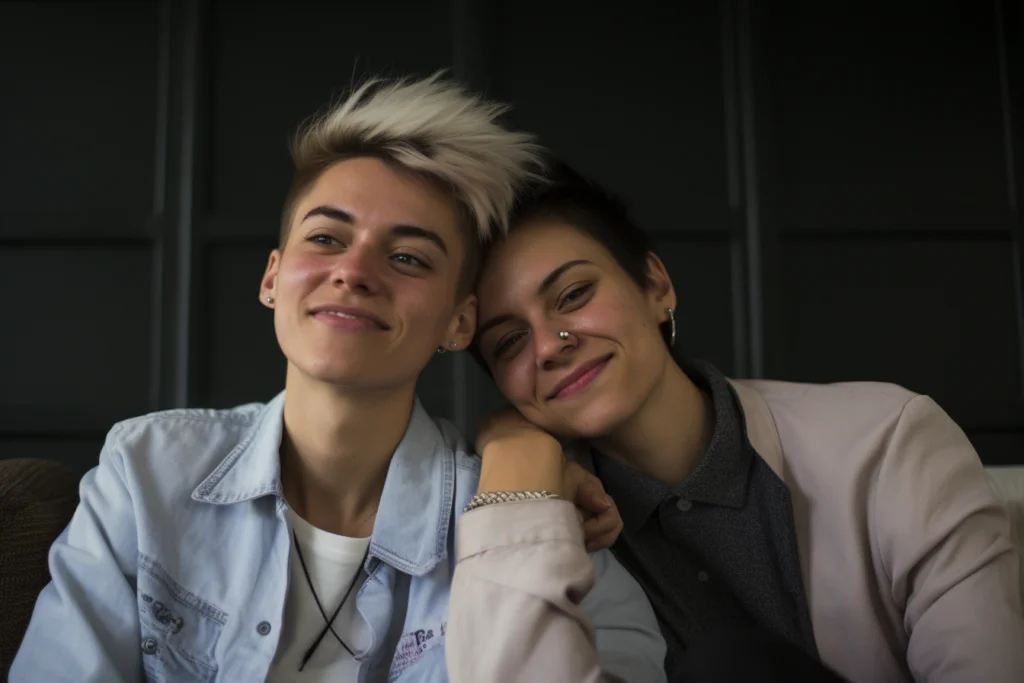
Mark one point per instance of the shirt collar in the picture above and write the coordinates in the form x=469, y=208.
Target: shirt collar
x=720, y=477
x=411, y=529
x=253, y=468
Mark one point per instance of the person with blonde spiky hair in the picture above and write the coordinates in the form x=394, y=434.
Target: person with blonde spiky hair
x=312, y=538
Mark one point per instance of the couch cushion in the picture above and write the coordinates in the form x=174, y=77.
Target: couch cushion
x=37, y=499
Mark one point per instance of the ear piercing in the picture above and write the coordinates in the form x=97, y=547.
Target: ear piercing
x=672, y=321
x=270, y=299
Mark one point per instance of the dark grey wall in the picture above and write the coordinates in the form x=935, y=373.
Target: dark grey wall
x=834, y=187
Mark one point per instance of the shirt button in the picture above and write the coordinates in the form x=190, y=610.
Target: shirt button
x=684, y=505
x=148, y=646
x=263, y=628
x=703, y=576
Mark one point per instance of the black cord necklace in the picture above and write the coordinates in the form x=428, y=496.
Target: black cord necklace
x=330, y=621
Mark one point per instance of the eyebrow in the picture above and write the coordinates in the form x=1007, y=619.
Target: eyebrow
x=330, y=212
x=545, y=285
x=415, y=231
x=557, y=273
x=420, y=233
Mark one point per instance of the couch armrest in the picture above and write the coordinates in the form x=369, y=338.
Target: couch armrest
x=1008, y=483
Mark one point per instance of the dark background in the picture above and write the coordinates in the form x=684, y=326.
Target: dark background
x=833, y=185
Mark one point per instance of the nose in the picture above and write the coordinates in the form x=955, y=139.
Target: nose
x=358, y=269
x=554, y=347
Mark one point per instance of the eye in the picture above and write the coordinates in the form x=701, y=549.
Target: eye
x=410, y=260
x=507, y=342
x=574, y=295
x=322, y=240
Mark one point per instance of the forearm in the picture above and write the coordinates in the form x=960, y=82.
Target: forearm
x=505, y=469
x=514, y=613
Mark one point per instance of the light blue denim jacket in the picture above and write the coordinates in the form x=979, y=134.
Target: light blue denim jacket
x=175, y=565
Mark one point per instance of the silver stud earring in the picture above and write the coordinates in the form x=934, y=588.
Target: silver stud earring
x=440, y=349
x=454, y=345
x=270, y=299
x=563, y=335
x=672, y=321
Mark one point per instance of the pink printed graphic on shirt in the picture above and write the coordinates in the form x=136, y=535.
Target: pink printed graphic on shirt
x=412, y=646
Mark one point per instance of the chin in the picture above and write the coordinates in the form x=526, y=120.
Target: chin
x=339, y=372
x=332, y=374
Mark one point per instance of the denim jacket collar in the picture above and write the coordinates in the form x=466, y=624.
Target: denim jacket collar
x=411, y=529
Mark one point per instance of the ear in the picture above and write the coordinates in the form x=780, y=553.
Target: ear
x=661, y=295
x=462, y=326
x=268, y=286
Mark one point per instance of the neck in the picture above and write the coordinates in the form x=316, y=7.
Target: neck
x=336, y=449
x=668, y=435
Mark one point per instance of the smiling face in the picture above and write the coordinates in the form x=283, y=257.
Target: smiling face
x=550, y=278
x=365, y=289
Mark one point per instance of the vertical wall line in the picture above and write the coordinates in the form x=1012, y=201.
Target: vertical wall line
x=751, y=199
x=1012, y=187
x=184, y=202
x=158, y=219
x=734, y=186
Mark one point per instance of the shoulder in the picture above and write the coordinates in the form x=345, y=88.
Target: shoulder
x=185, y=421
x=867, y=397
x=861, y=433
x=467, y=462
x=179, y=445
x=467, y=465
x=839, y=413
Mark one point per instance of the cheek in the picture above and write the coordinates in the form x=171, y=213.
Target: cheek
x=607, y=316
x=301, y=272
x=517, y=379
x=422, y=305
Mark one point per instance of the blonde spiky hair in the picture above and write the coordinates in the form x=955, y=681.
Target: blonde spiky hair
x=432, y=128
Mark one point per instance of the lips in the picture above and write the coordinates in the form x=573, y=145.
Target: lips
x=580, y=378
x=349, y=317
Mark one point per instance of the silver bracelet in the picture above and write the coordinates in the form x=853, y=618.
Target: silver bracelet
x=492, y=497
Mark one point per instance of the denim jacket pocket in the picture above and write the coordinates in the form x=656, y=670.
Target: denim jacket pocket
x=179, y=630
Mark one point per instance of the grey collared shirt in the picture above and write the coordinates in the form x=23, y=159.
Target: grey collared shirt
x=719, y=547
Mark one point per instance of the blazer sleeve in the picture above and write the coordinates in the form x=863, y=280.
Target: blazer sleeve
x=944, y=540
x=528, y=604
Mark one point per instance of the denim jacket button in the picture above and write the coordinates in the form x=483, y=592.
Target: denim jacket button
x=263, y=628
x=148, y=646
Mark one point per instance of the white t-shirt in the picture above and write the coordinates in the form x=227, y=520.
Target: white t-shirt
x=332, y=562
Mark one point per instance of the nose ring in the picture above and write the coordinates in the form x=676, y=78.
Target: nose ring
x=563, y=335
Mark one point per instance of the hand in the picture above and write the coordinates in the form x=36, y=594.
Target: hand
x=602, y=523
x=506, y=428
x=517, y=455
x=520, y=456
